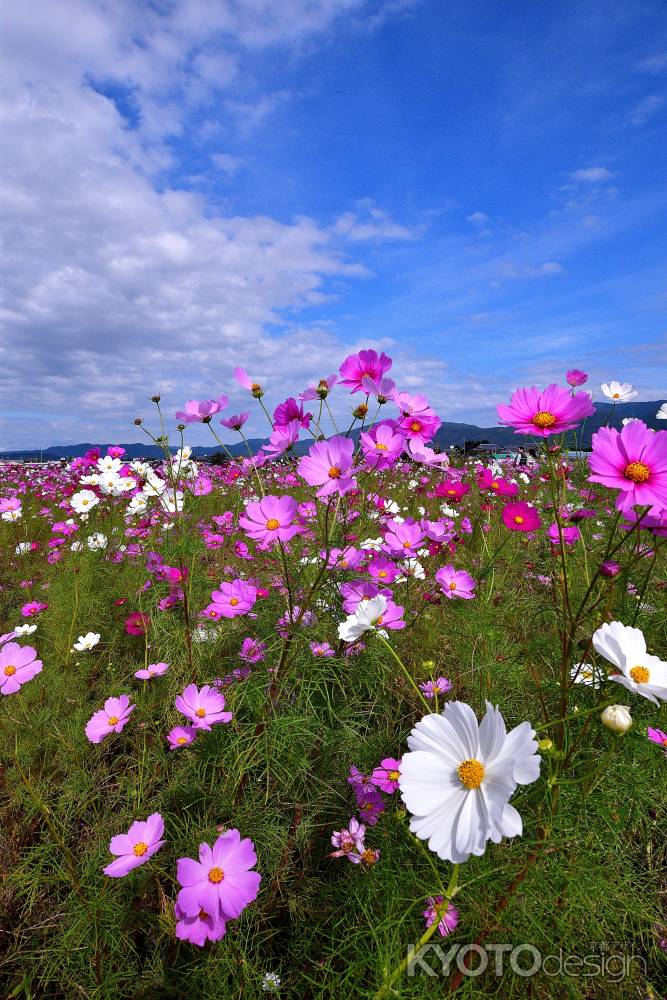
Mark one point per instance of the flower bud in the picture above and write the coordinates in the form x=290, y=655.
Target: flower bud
x=617, y=718
x=138, y=421
x=156, y=398
x=360, y=411
x=428, y=664
x=545, y=746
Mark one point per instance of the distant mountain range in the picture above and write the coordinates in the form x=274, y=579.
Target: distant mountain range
x=449, y=434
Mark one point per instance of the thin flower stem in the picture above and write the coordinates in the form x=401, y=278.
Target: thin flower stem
x=405, y=671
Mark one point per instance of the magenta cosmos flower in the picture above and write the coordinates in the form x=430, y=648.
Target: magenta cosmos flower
x=199, y=929
x=520, y=516
x=205, y=707
x=633, y=461
x=543, y=413
x=455, y=582
x=136, y=846
x=365, y=364
x=327, y=465
x=385, y=777
x=575, y=377
x=570, y=534
x=236, y=421
x=270, y=520
x=201, y=410
x=221, y=883
x=234, y=599
x=110, y=719
x=657, y=736
x=288, y=411
x=181, y=736
x=33, y=608
x=18, y=664
x=137, y=623
x=445, y=913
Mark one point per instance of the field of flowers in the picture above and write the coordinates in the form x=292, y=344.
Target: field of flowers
x=275, y=726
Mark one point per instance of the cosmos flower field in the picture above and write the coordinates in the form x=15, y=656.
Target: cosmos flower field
x=280, y=725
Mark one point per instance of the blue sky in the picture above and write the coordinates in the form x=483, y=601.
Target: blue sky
x=477, y=188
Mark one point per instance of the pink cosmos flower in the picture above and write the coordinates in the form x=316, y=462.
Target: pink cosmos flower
x=382, y=445
x=244, y=380
x=385, y=777
x=288, y=411
x=349, y=842
x=347, y=558
x=441, y=685
x=424, y=455
x=322, y=649
x=364, y=364
x=110, y=719
x=454, y=491
x=152, y=670
x=33, y=608
x=327, y=465
x=252, y=650
x=270, y=520
x=321, y=390
x=404, y=537
x=356, y=591
x=18, y=664
x=633, y=461
x=520, y=516
x=381, y=389
x=501, y=487
x=236, y=421
x=181, y=736
x=115, y=451
x=543, y=413
x=136, y=846
x=204, y=708
x=383, y=570
x=221, y=883
x=455, y=583
x=445, y=913
x=576, y=377
x=199, y=929
x=234, y=599
x=657, y=736
x=281, y=438
x=420, y=427
x=137, y=623
x=201, y=410
x=570, y=534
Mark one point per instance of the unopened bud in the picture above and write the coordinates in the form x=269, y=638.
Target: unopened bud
x=155, y=399
x=617, y=718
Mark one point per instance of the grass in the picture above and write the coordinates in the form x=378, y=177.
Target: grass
x=278, y=773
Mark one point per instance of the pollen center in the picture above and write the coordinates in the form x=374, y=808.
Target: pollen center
x=415, y=426
x=10, y=670
x=200, y=713
x=518, y=519
x=334, y=472
x=544, y=419
x=638, y=472
x=452, y=586
x=234, y=601
x=393, y=775
x=181, y=740
x=140, y=848
x=216, y=875
x=640, y=675
x=380, y=446
x=113, y=720
x=471, y=773
x=273, y=523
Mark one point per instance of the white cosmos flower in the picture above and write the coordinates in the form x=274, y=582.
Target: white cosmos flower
x=108, y=482
x=83, y=501
x=362, y=619
x=91, y=480
x=172, y=504
x=412, y=568
x=137, y=504
x=459, y=776
x=77, y=546
x=22, y=548
x=617, y=718
x=96, y=541
x=11, y=515
x=87, y=641
x=662, y=412
x=586, y=673
x=619, y=392
x=640, y=672
x=108, y=464
x=24, y=629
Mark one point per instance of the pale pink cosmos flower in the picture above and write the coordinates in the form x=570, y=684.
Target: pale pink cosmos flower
x=221, y=883
x=181, y=736
x=382, y=445
x=18, y=664
x=204, y=708
x=201, y=410
x=136, y=846
x=234, y=599
x=633, y=461
x=281, y=438
x=404, y=537
x=152, y=670
x=110, y=719
x=551, y=411
x=420, y=427
x=200, y=928
x=327, y=465
x=456, y=583
x=365, y=364
x=270, y=520
x=244, y=380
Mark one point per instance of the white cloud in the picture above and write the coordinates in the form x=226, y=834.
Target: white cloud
x=227, y=163
x=478, y=219
x=592, y=174
x=645, y=109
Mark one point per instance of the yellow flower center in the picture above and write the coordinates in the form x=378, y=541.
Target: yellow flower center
x=10, y=670
x=140, y=848
x=200, y=713
x=518, y=519
x=255, y=386
x=615, y=395
x=273, y=523
x=216, y=875
x=380, y=447
x=369, y=856
x=378, y=621
x=407, y=545
x=451, y=493
x=113, y=720
x=452, y=586
x=494, y=485
x=382, y=573
x=334, y=472
x=544, y=419
x=415, y=426
x=638, y=472
x=640, y=675
x=234, y=601
x=393, y=775
x=471, y=773
x=181, y=740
